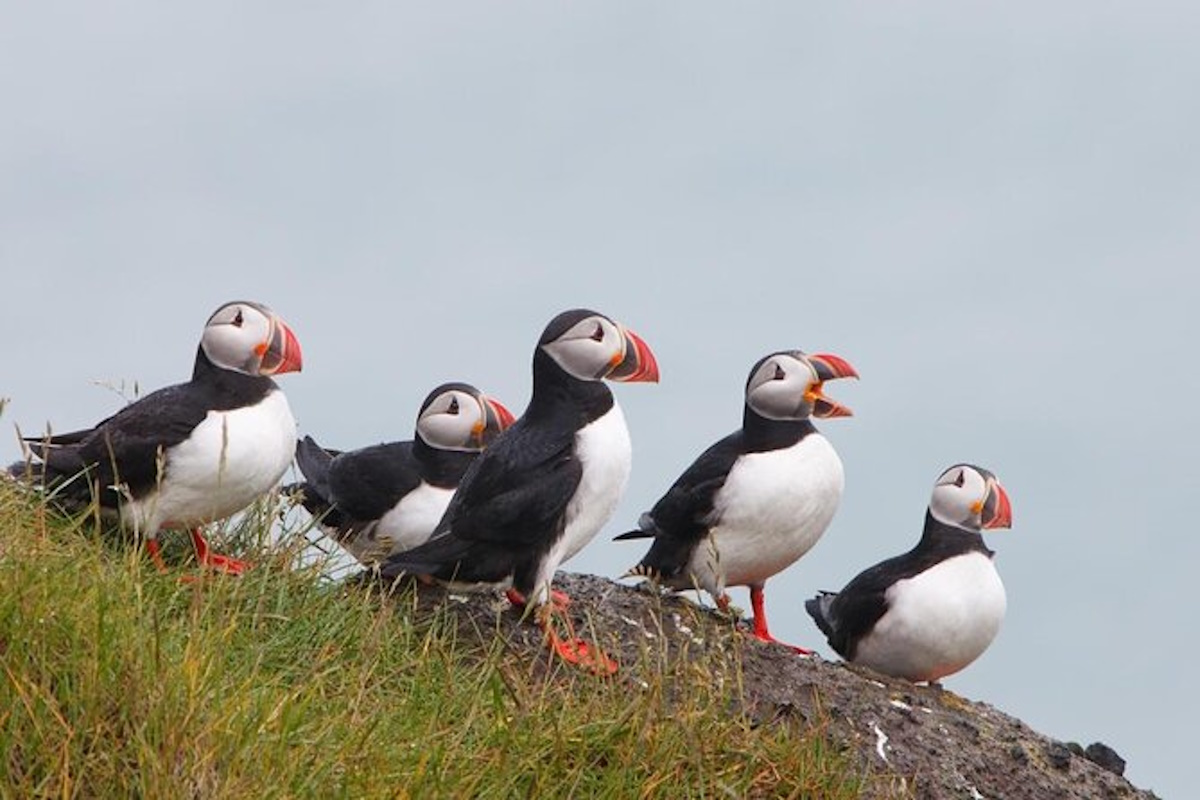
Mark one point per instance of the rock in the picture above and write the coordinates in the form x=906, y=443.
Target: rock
x=1058, y=754
x=939, y=744
x=1103, y=755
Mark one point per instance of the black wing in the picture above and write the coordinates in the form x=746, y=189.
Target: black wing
x=510, y=504
x=125, y=448
x=366, y=484
x=682, y=517
x=850, y=615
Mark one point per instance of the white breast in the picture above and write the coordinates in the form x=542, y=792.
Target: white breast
x=606, y=454
x=773, y=508
x=406, y=525
x=937, y=622
x=230, y=459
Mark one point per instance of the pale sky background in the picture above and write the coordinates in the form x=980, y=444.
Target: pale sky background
x=991, y=209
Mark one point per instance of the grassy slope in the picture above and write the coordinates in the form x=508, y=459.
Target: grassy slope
x=118, y=681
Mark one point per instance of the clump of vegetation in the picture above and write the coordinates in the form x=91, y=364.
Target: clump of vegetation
x=121, y=681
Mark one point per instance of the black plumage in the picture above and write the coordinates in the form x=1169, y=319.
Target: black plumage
x=681, y=519
x=847, y=616
x=515, y=502
x=350, y=489
x=128, y=447
x=510, y=506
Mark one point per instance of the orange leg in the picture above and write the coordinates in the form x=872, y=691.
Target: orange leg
x=215, y=561
x=560, y=600
x=155, y=551
x=760, y=622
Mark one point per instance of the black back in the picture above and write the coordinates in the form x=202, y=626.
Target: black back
x=848, y=616
x=360, y=486
x=510, y=507
x=682, y=517
x=129, y=447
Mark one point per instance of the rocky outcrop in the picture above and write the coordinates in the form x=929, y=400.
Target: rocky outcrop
x=914, y=741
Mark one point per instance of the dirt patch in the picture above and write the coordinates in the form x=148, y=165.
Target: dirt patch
x=936, y=743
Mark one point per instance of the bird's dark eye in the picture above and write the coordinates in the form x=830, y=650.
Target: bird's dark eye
x=237, y=320
x=962, y=476
x=453, y=409
x=779, y=373
x=598, y=334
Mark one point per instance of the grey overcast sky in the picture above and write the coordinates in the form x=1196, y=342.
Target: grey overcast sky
x=991, y=209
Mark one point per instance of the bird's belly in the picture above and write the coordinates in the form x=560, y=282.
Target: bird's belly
x=406, y=525
x=606, y=453
x=772, y=510
x=937, y=622
x=231, y=458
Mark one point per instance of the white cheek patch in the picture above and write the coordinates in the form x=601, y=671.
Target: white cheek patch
x=586, y=358
x=226, y=347
x=952, y=504
x=448, y=431
x=780, y=398
x=444, y=430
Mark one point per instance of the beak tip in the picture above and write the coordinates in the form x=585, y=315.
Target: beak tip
x=639, y=364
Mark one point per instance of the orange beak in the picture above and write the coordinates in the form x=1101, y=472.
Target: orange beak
x=828, y=367
x=997, y=510
x=282, y=353
x=638, y=364
x=496, y=419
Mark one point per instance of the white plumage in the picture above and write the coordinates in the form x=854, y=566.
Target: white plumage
x=773, y=508
x=938, y=621
x=605, y=452
x=230, y=459
x=404, y=526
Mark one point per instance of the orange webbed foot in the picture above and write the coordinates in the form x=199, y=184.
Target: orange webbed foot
x=585, y=655
x=223, y=564
x=570, y=648
x=766, y=637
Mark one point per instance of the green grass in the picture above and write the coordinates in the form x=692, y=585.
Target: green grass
x=121, y=682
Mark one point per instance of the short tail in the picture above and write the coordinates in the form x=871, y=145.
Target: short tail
x=646, y=529
x=637, y=534
x=69, y=491
x=314, y=461
x=313, y=492
x=440, y=556
x=818, y=608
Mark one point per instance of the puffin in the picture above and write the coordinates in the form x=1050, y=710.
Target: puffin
x=757, y=500
x=387, y=498
x=544, y=488
x=932, y=611
x=188, y=454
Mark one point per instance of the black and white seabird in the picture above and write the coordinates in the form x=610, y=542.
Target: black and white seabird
x=757, y=500
x=192, y=453
x=932, y=611
x=388, y=498
x=544, y=488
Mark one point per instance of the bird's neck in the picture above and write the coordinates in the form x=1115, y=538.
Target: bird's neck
x=939, y=535
x=441, y=467
x=556, y=393
x=206, y=373
x=762, y=434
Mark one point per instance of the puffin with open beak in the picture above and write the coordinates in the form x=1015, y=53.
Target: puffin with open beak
x=544, y=488
x=932, y=611
x=756, y=501
x=387, y=498
x=192, y=453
